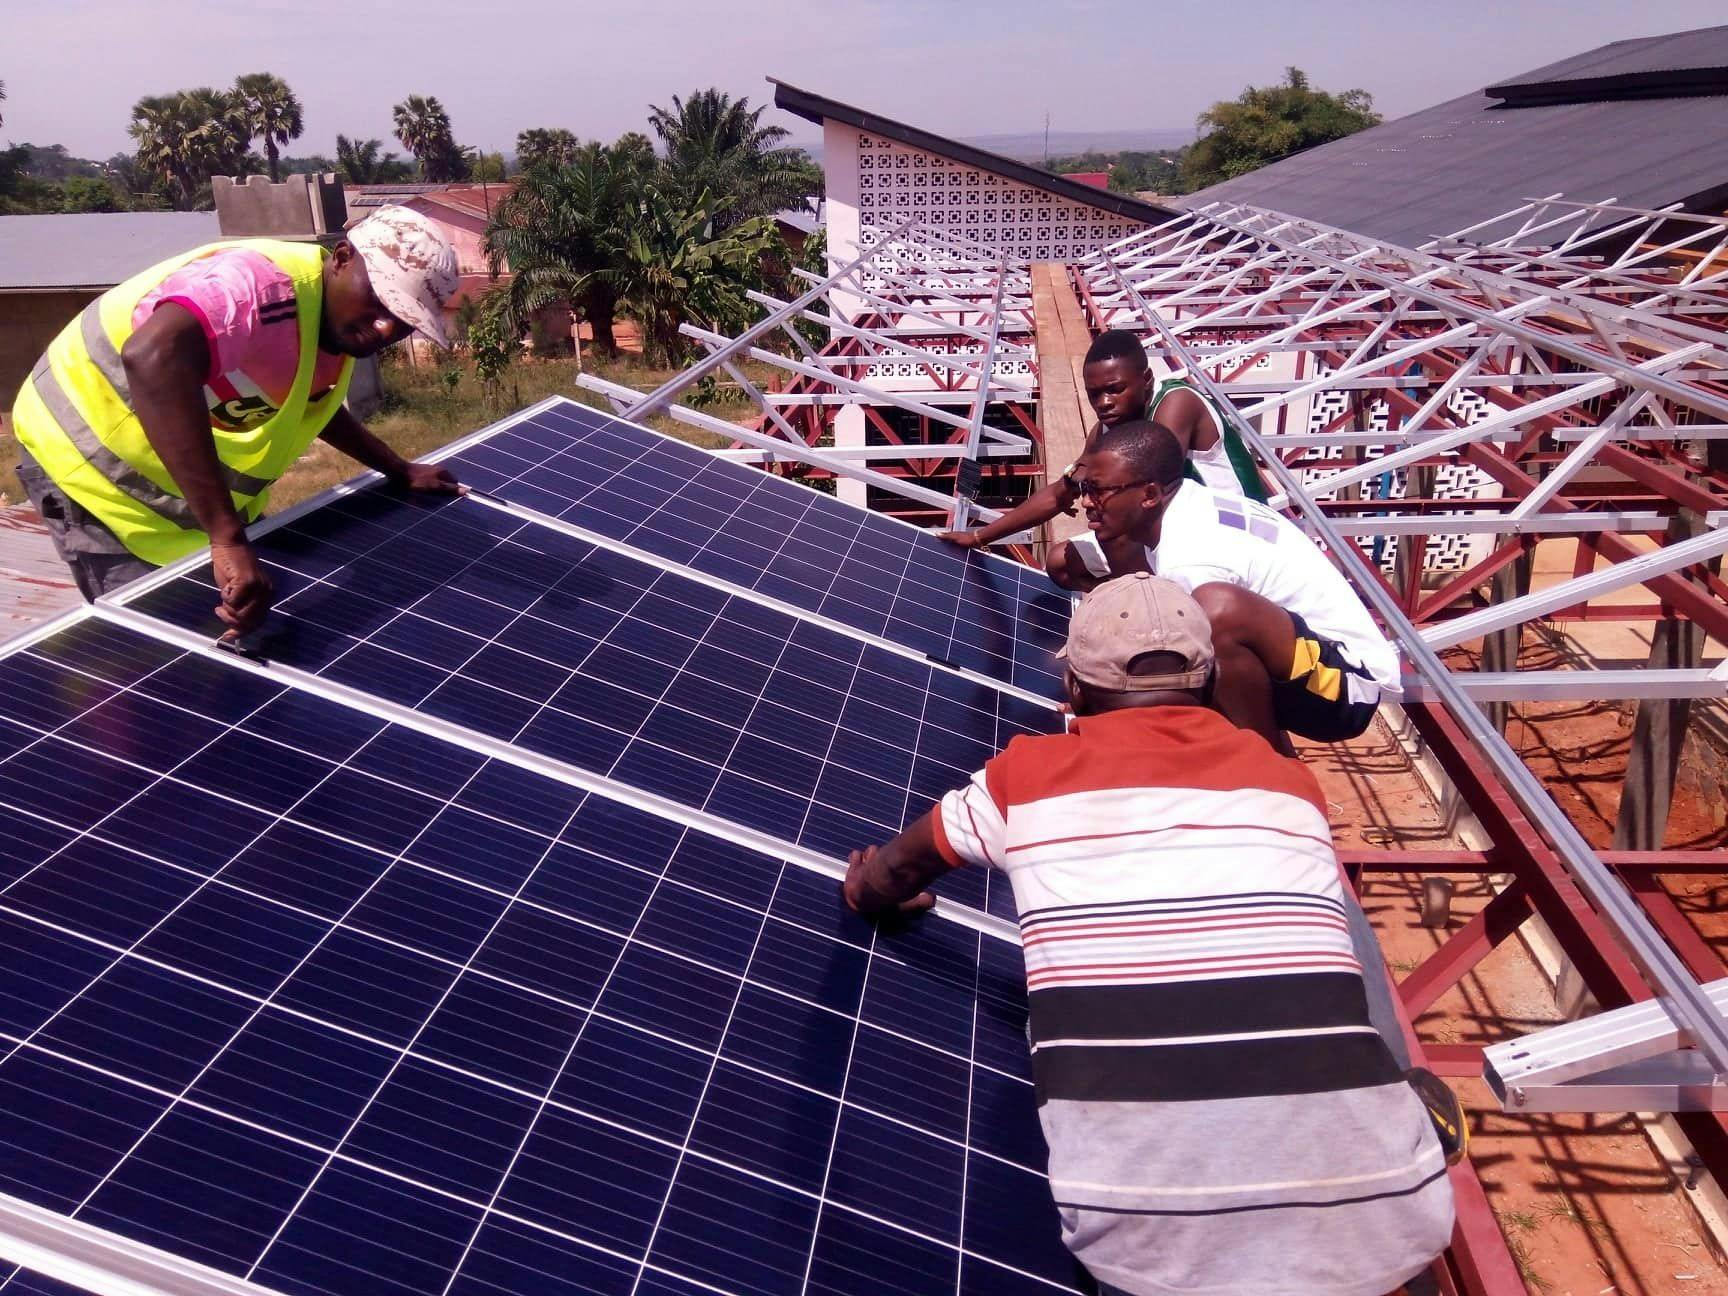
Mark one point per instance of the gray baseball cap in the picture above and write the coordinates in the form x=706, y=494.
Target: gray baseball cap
x=1132, y=615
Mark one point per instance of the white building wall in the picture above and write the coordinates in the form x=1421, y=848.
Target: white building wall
x=876, y=184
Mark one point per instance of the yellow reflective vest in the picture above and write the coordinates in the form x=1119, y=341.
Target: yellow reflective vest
x=74, y=414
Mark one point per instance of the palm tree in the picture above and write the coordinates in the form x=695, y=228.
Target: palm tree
x=186, y=137
x=365, y=162
x=424, y=129
x=272, y=113
x=677, y=259
x=718, y=146
x=556, y=231
x=2, y=100
x=541, y=145
x=160, y=125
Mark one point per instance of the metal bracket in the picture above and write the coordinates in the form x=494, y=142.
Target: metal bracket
x=1629, y=1059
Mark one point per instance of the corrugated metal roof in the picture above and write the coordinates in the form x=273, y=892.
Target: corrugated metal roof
x=803, y=219
x=96, y=249
x=1471, y=158
x=34, y=583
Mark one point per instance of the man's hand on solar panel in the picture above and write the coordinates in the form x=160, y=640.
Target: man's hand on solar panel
x=244, y=586
x=889, y=879
x=434, y=479
x=349, y=435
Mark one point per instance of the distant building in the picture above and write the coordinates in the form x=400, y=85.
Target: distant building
x=881, y=173
x=51, y=267
x=1097, y=179
x=797, y=224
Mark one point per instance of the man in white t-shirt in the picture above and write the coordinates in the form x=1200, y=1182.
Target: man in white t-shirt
x=1297, y=651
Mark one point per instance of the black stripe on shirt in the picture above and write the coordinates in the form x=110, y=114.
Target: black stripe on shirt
x=1223, y=1006
x=1263, y=1206
x=1227, y=1069
x=277, y=312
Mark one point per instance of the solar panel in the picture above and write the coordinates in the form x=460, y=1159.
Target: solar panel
x=644, y=674
x=756, y=530
x=328, y=1002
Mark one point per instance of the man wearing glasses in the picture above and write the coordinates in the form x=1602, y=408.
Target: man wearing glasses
x=157, y=420
x=1296, y=649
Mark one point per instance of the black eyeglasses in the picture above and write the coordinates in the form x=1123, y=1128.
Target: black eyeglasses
x=1098, y=494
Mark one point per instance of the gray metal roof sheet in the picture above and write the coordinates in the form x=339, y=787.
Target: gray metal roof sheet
x=1469, y=159
x=94, y=250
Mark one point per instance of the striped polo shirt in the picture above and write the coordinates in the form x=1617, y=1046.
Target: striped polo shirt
x=1220, y=1114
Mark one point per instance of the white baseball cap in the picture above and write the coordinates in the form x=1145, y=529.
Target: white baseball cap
x=412, y=267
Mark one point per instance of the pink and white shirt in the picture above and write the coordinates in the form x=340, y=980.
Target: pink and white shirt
x=245, y=304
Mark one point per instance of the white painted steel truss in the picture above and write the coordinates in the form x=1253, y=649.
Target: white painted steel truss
x=1564, y=363
x=1608, y=336
x=921, y=321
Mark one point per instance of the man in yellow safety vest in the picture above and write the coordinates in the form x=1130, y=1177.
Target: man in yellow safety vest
x=156, y=422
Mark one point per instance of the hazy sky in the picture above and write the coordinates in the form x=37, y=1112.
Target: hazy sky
x=73, y=68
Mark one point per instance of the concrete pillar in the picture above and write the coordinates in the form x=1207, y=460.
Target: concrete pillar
x=1659, y=729
x=1418, y=484
x=849, y=425
x=1500, y=649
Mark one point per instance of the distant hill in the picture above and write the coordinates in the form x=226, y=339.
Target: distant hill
x=1030, y=148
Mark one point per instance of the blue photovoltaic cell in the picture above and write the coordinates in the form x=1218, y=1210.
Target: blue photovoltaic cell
x=349, y=1010
x=754, y=529
x=642, y=674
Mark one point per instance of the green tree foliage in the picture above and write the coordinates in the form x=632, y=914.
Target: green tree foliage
x=272, y=113
x=424, y=129
x=545, y=146
x=716, y=145
x=1266, y=123
x=88, y=194
x=614, y=232
x=53, y=162
x=494, y=345
x=189, y=136
x=365, y=162
x=310, y=164
x=1131, y=171
x=680, y=260
x=484, y=166
x=140, y=190
x=556, y=230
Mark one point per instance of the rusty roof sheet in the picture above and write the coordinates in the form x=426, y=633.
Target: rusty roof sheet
x=34, y=583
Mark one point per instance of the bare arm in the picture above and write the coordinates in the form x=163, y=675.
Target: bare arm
x=349, y=435
x=166, y=362
x=884, y=879
x=354, y=439
x=1188, y=419
x=1038, y=508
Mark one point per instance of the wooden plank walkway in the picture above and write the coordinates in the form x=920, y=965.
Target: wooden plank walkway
x=1062, y=339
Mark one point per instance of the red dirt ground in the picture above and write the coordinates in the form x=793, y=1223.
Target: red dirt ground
x=1587, y=1206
